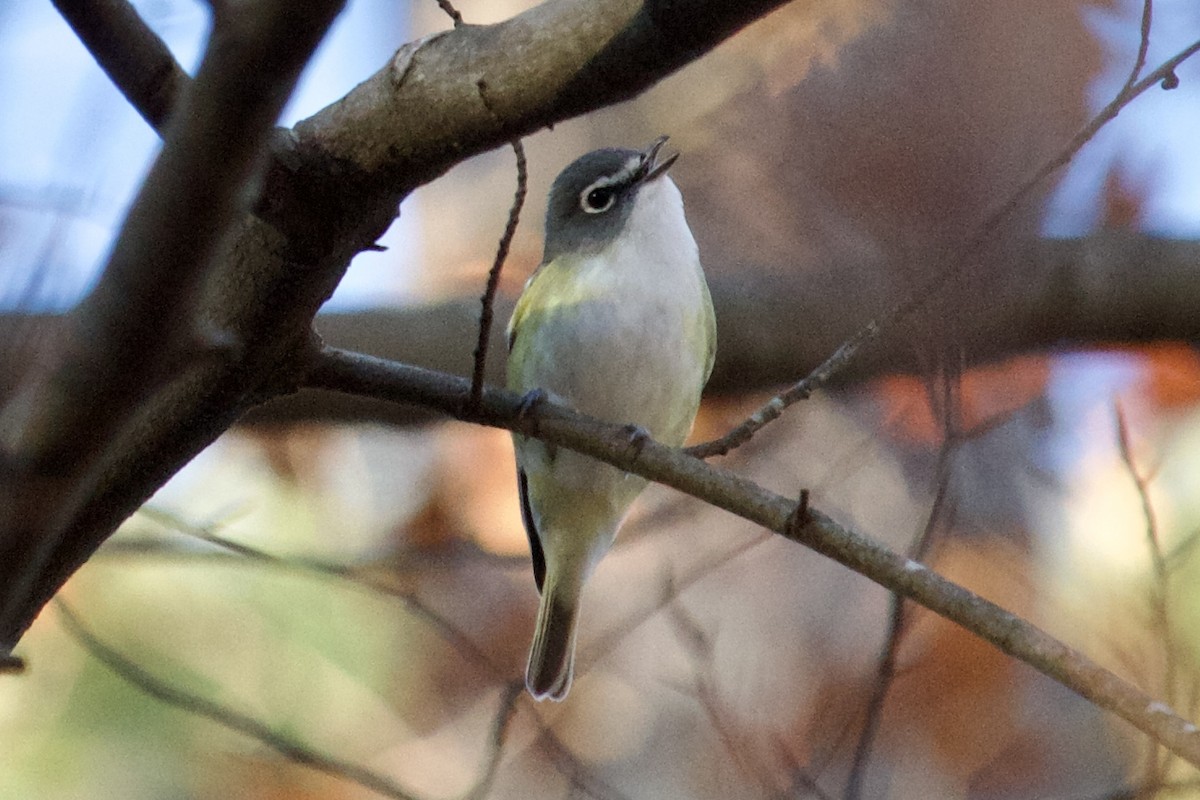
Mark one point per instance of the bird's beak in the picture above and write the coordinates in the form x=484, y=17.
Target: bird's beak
x=651, y=167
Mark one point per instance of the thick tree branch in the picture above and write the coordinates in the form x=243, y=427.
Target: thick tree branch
x=149, y=290
x=143, y=322
x=331, y=190
x=132, y=55
x=553, y=62
x=364, y=375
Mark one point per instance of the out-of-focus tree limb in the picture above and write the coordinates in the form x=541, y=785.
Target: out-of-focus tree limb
x=332, y=188
x=137, y=61
x=144, y=323
x=1107, y=289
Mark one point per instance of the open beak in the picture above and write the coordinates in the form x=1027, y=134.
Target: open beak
x=651, y=167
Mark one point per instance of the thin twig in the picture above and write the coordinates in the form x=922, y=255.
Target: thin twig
x=493, y=281
x=446, y=629
x=1159, y=593
x=802, y=390
x=770, y=411
x=504, y=716
x=570, y=768
x=164, y=692
x=514, y=690
x=604, y=643
x=690, y=632
x=451, y=11
x=885, y=672
x=1139, y=62
x=510, y=228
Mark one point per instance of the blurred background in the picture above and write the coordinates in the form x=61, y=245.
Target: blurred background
x=364, y=589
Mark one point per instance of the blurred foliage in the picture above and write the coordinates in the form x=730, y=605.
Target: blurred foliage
x=367, y=592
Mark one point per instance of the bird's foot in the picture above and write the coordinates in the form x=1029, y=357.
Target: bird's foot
x=532, y=399
x=638, y=438
x=529, y=403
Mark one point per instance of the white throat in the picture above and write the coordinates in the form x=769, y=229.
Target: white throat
x=656, y=234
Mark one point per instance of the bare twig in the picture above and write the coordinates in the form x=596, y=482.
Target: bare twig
x=288, y=747
x=493, y=280
x=406, y=563
x=1164, y=74
x=885, y=671
x=570, y=767
x=550, y=422
x=504, y=716
x=451, y=11
x=774, y=408
x=1160, y=592
x=705, y=689
x=453, y=636
x=604, y=643
x=510, y=229
x=1139, y=61
x=513, y=692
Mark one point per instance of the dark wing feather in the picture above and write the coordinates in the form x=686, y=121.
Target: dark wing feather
x=535, y=544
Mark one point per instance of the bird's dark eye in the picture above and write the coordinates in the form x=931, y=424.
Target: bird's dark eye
x=598, y=199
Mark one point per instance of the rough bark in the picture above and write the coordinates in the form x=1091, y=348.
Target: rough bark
x=332, y=188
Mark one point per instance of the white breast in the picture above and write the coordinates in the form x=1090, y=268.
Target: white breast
x=636, y=352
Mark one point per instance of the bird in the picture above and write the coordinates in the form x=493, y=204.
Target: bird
x=617, y=323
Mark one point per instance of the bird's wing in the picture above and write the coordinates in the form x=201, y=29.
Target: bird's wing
x=521, y=310
x=535, y=544
x=710, y=333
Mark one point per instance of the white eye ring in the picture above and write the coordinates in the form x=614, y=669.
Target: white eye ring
x=598, y=198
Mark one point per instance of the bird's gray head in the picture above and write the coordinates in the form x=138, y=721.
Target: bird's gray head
x=592, y=200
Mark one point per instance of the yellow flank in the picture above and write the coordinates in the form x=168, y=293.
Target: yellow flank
x=551, y=286
x=709, y=320
x=567, y=282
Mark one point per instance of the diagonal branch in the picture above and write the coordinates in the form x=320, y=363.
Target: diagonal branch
x=133, y=56
x=359, y=374
x=868, y=334
x=142, y=324
x=282, y=743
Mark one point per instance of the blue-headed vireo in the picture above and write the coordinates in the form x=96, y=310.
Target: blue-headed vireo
x=617, y=323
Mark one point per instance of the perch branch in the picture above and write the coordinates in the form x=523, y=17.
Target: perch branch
x=359, y=374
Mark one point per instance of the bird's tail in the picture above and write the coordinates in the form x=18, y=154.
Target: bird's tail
x=552, y=657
